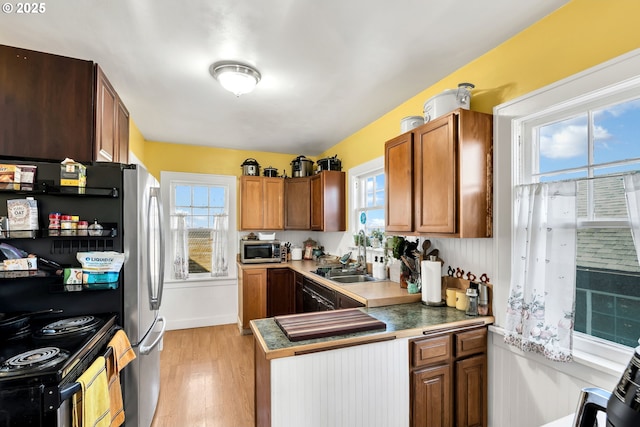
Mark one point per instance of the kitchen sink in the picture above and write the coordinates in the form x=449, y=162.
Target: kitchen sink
x=345, y=276
x=353, y=278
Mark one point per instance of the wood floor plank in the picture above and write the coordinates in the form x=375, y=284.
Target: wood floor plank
x=206, y=378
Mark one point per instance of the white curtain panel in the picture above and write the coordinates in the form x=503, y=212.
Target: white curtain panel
x=632, y=196
x=541, y=300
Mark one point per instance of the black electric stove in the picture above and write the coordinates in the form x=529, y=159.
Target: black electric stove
x=39, y=366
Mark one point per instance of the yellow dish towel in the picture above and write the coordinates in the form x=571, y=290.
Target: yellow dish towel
x=120, y=357
x=91, y=404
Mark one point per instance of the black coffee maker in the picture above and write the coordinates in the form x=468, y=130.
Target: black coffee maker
x=622, y=405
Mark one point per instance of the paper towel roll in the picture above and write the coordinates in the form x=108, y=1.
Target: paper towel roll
x=431, y=275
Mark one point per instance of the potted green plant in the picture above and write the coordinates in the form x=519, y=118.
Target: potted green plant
x=376, y=238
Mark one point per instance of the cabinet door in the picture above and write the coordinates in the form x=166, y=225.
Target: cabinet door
x=328, y=201
x=46, y=106
x=297, y=198
x=398, y=167
x=123, y=133
x=251, y=203
x=273, y=203
x=431, y=403
x=280, y=292
x=299, y=304
x=471, y=392
x=436, y=176
x=343, y=301
x=253, y=296
x=106, y=149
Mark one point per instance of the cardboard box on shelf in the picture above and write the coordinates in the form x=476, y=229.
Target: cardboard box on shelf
x=20, y=264
x=9, y=177
x=23, y=214
x=73, y=174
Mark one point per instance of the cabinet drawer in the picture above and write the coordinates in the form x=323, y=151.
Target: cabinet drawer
x=471, y=342
x=430, y=350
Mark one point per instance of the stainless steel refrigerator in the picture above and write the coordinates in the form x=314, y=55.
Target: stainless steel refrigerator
x=143, y=242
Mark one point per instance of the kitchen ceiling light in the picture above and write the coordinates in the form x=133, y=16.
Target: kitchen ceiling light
x=235, y=77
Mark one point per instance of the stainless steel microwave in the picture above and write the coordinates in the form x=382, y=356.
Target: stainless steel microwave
x=259, y=251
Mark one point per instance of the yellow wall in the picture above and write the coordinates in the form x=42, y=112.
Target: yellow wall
x=580, y=35
x=136, y=141
x=161, y=156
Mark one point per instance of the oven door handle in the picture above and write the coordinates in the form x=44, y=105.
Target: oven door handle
x=146, y=349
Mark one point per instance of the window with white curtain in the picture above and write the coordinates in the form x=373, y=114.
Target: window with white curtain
x=594, y=141
x=200, y=217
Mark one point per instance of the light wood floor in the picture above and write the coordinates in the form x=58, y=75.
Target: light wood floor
x=206, y=379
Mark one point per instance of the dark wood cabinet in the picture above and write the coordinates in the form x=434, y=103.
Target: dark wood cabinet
x=328, y=201
x=280, y=292
x=297, y=199
x=439, y=177
x=299, y=283
x=112, y=123
x=52, y=107
x=448, y=379
x=46, y=105
x=343, y=301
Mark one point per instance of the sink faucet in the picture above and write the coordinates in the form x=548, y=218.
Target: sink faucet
x=362, y=250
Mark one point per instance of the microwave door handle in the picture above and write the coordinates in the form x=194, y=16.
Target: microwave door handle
x=157, y=270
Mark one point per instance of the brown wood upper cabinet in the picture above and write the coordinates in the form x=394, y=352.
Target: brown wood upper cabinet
x=261, y=203
x=328, y=201
x=316, y=202
x=297, y=199
x=49, y=105
x=439, y=177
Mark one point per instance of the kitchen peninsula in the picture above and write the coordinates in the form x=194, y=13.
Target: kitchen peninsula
x=426, y=367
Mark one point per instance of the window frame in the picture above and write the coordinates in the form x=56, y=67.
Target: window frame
x=167, y=182
x=616, y=75
x=357, y=175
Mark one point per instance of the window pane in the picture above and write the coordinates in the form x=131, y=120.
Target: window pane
x=183, y=195
x=217, y=196
x=200, y=196
x=200, y=250
x=201, y=203
x=563, y=145
x=607, y=285
x=616, y=130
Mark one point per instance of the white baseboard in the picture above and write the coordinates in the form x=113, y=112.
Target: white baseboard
x=200, y=322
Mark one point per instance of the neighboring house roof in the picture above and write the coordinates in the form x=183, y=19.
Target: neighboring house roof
x=605, y=248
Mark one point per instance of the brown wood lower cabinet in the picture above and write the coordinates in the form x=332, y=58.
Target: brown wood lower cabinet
x=280, y=292
x=448, y=379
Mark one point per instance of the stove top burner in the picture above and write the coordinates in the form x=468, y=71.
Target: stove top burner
x=69, y=326
x=39, y=358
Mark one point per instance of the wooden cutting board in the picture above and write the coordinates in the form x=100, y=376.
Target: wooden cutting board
x=306, y=326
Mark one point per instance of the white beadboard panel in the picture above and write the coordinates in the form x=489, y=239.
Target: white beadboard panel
x=190, y=306
x=527, y=390
x=475, y=255
x=365, y=385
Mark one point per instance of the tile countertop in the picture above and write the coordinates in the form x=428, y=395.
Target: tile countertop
x=402, y=320
x=372, y=294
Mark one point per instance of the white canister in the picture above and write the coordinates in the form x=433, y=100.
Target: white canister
x=411, y=122
x=296, y=253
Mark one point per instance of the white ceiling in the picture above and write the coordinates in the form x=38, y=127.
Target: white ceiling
x=328, y=67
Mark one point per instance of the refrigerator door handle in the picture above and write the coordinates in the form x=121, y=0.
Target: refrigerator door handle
x=146, y=349
x=157, y=271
